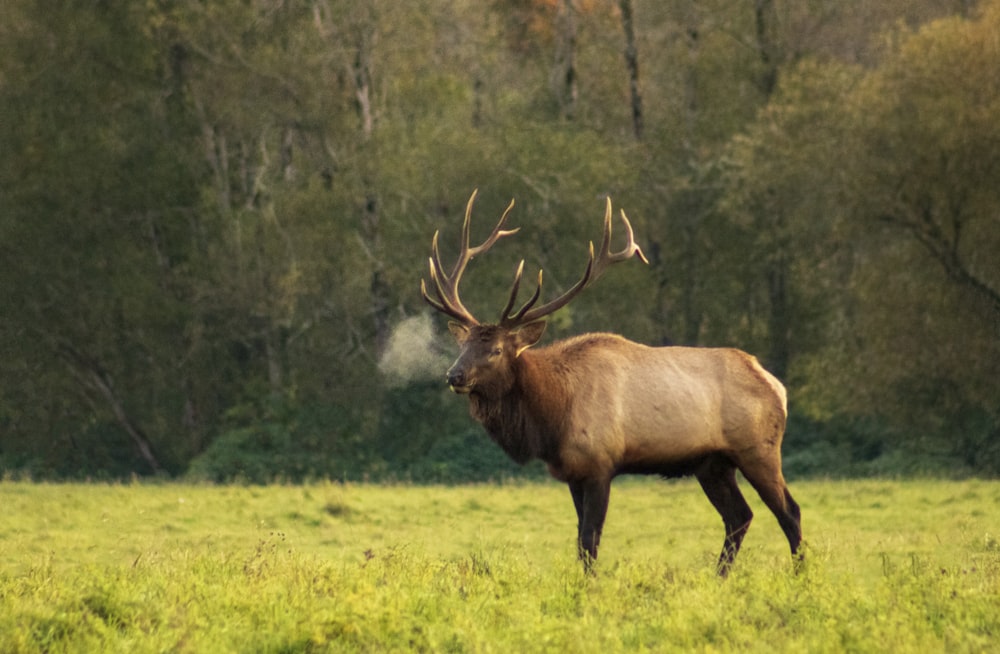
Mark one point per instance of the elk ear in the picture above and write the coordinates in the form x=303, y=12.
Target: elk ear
x=528, y=335
x=458, y=330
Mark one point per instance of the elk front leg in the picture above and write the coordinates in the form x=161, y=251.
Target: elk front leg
x=590, y=497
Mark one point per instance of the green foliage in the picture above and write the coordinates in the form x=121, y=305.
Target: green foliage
x=833, y=448
x=964, y=443
x=423, y=436
x=210, y=204
x=469, y=456
x=328, y=567
x=284, y=442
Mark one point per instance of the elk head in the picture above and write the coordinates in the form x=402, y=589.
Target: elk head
x=487, y=351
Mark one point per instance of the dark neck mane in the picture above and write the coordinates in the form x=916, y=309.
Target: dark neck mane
x=523, y=420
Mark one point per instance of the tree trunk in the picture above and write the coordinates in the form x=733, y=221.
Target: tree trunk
x=692, y=34
x=378, y=287
x=691, y=208
x=93, y=376
x=363, y=87
x=371, y=218
x=359, y=30
x=564, y=81
x=632, y=65
x=779, y=319
x=690, y=307
x=779, y=325
x=477, y=101
x=765, y=21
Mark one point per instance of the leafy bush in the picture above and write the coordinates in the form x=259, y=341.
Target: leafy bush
x=423, y=435
x=966, y=442
x=100, y=450
x=838, y=447
x=469, y=456
x=289, y=443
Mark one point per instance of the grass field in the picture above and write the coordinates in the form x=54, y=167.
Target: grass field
x=909, y=566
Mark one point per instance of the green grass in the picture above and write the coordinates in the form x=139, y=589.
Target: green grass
x=892, y=566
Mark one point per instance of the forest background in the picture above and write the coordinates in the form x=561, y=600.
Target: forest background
x=214, y=217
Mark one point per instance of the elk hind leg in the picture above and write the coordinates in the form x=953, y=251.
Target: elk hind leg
x=767, y=480
x=717, y=477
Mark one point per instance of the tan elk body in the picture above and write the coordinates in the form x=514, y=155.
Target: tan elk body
x=598, y=405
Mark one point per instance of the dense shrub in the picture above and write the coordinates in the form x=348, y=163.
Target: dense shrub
x=467, y=456
x=424, y=434
x=288, y=443
x=838, y=447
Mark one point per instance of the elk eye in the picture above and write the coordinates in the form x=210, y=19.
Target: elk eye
x=497, y=351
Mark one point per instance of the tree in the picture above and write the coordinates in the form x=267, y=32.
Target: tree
x=930, y=144
x=901, y=339
x=213, y=214
x=923, y=183
x=787, y=212
x=88, y=257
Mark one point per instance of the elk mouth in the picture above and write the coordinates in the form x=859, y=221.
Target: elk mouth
x=459, y=382
x=460, y=389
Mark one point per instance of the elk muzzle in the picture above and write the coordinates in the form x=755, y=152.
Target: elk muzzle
x=458, y=382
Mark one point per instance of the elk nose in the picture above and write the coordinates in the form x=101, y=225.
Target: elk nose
x=456, y=378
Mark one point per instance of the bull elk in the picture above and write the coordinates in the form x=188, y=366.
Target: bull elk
x=596, y=406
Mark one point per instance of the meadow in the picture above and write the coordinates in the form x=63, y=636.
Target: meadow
x=901, y=566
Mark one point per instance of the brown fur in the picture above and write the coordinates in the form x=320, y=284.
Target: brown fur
x=597, y=405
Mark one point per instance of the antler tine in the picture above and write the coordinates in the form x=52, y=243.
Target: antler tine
x=606, y=257
x=446, y=304
x=437, y=269
x=527, y=314
x=429, y=300
x=595, y=268
x=466, y=254
x=446, y=285
x=505, y=317
x=494, y=236
x=513, y=291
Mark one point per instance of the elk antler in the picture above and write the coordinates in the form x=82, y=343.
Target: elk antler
x=595, y=268
x=446, y=285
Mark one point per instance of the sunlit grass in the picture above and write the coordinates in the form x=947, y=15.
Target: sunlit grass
x=892, y=566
